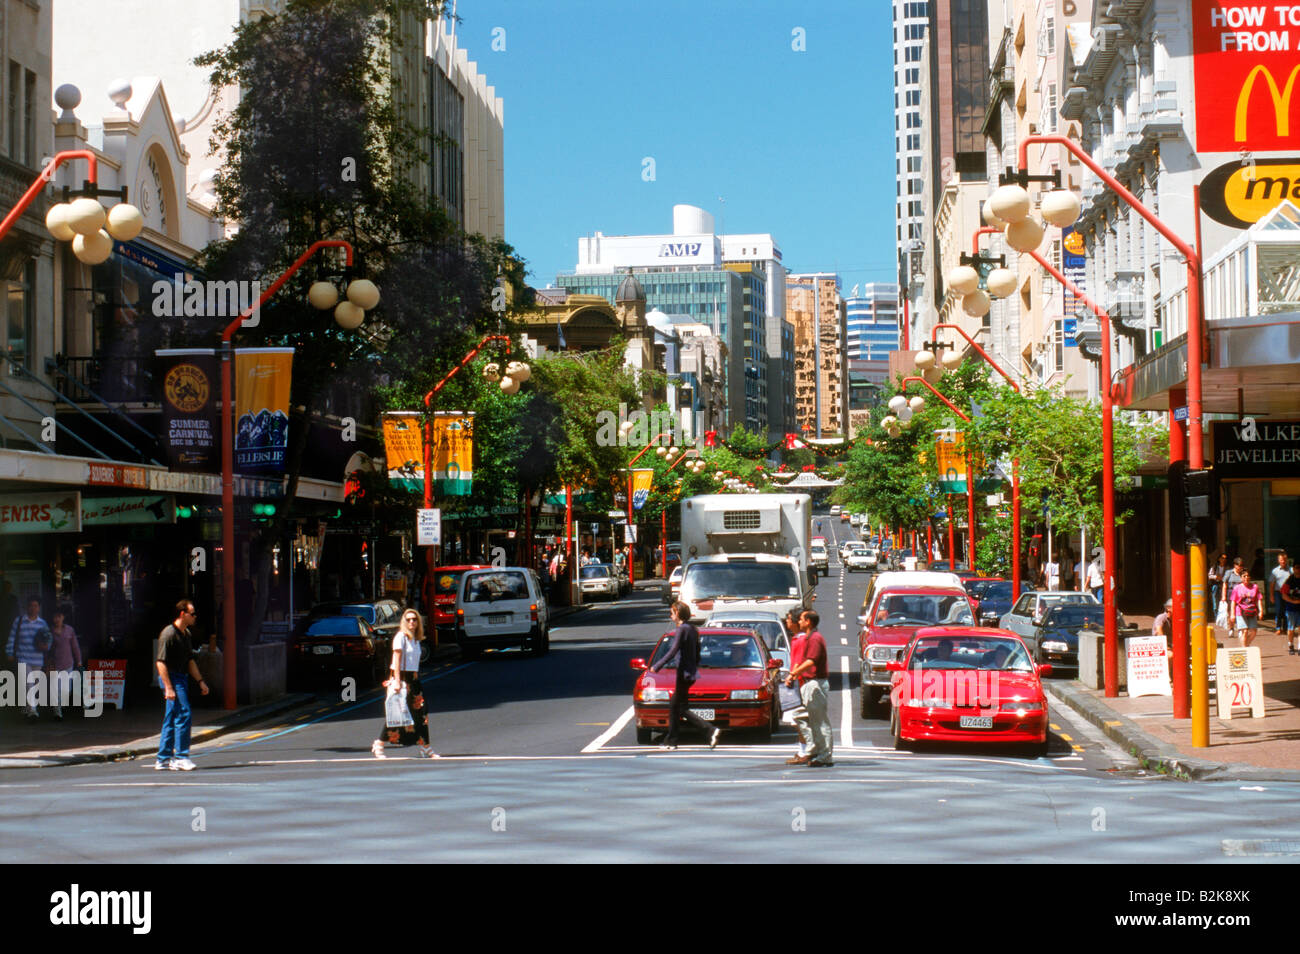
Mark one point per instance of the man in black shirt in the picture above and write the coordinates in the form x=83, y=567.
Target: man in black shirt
x=684, y=650
x=175, y=662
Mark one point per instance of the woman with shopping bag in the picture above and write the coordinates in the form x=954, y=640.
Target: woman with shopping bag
x=405, y=718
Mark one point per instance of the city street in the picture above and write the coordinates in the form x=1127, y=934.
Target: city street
x=540, y=764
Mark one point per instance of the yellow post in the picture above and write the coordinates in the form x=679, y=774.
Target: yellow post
x=1201, y=637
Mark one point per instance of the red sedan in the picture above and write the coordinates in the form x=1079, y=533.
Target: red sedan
x=960, y=684
x=736, y=687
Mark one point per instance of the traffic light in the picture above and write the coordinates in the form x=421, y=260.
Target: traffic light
x=1200, y=507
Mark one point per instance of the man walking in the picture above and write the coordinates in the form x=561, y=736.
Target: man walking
x=684, y=651
x=800, y=714
x=815, y=689
x=29, y=638
x=175, y=662
x=1277, y=578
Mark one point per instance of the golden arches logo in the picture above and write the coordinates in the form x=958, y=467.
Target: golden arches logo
x=1281, y=101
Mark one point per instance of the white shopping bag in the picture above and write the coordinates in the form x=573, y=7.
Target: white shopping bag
x=396, y=712
x=1221, y=619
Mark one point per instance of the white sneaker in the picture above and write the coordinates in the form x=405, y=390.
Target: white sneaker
x=161, y=765
x=377, y=749
x=182, y=765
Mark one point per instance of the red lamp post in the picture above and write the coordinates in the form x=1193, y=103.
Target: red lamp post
x=631, y=571
x=1195, y=331
x=663, y=520
x=228, y=462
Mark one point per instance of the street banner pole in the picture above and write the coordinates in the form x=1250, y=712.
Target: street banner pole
x=1178, y=567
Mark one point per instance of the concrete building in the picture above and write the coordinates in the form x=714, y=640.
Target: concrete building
x=816, y=309
x=687, y=273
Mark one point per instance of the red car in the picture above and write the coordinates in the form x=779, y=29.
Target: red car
x=443, y=584
x=736, y=687
x=894, y=617
x=965, y=684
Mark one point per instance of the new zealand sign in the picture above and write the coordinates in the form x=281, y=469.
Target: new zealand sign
x=1247, y=72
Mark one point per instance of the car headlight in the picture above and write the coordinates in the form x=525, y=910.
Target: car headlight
x=656, y=695
x=883, y=653
x=744, y=693
x=920, y=702
x=1021, y=707
x=1056, y=646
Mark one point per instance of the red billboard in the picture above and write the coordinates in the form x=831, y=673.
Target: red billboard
x=1247, y=70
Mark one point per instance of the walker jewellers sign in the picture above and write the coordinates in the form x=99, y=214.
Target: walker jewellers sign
x=1257, y=449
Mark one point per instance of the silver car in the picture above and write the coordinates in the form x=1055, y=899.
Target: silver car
x=1028, y=611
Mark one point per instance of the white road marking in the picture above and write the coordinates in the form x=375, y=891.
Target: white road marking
x=844, y=625
x=613, y=730
x=155, y=784
x=846, y=700
x=844, y=640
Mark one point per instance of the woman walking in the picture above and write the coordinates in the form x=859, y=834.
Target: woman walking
x=1248, y=607
x=404, y=670
x=64, y=655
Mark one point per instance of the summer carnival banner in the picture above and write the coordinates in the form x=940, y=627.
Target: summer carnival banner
x=190, y=391
x=262, y=379
x=453, y=451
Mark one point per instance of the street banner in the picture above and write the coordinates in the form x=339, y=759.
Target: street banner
x=1245, y=68
x=105, y=511
x=404, y=449
x=262, y=379
x=642, y=479
x=453, y=453
x=1239, y=681
x=190, y=388
x=40, y=513
x=950, y=458
x=114, y=671
x=1148, y=666
x=1074, y=266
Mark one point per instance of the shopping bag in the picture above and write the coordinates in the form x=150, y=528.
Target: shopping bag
x=1221, y=618
x=789, y=697
x=396, y=712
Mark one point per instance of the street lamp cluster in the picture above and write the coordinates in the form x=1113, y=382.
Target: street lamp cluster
x=91, y=228
x=517, y=372
x=360, y=297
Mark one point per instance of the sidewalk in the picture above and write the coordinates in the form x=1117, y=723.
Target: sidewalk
x=1240, y=749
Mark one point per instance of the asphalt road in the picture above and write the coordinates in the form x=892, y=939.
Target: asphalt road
x=540, y=763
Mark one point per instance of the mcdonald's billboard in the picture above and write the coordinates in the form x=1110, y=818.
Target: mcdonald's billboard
x=1247, y=73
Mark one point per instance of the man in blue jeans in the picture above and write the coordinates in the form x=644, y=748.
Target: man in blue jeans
x=175, y=662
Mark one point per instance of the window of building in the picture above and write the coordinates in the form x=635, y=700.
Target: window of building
x=916, y=31
x=914, y=186
x=913, y=141
x=914, y=97
x=20, y=319
x=1049, y=103
x=912, y=54
x=1047, y=42
x=912, y=76
x=913, y=120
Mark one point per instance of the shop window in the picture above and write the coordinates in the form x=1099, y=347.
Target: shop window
x=19, y=319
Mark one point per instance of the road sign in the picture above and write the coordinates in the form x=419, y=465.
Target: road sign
x=1180, y=413
x=428, y=527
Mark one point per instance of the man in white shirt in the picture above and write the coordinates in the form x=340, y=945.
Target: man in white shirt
x=1052, y=575
x=1276, y=578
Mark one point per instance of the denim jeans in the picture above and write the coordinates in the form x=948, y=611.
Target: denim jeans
x=175, y=741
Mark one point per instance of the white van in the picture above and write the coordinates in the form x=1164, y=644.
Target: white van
x=501, y=608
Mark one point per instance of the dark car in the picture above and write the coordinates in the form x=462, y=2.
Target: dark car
x=995, y=602
x=1056, y=639
x=975, y=586
x=341, y=643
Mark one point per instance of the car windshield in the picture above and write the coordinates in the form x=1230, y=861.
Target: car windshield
x=745, y=580
x=998, y=590
x=594, y=572
x=344, y=625
x=1073, y=616
x=504, y=585
x=965, y=652
x=923, y=609
x=769, y=630
x=720, y=651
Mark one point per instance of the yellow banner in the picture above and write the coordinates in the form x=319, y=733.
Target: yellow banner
x=453, y=451
x=642, y=480
x=262, y=379
x=404, y=449
x=950, y=459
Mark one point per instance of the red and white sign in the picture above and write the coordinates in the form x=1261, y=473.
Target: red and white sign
x=1239, y=681
x=1148, y=666
x=1247, y=66
x=114, y=671
x=117, y=475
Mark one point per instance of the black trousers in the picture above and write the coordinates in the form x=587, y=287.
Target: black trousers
x=679, y=709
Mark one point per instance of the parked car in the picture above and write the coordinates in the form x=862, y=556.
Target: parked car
x=975, y=588
x=598, y=579
x=1029, y=610
x=440, y=596
x=994, y=602
x=673, y=586
x=384, y=616
x=502, y=607
x=340, y=643
x=736, y=687
x=896, y=612
x=968, y=685
x=620, y=574
x=1055, y=640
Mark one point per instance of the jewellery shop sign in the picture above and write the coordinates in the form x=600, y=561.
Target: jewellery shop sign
x=1251, y=448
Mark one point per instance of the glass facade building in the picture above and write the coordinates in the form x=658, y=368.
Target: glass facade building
x=872, y=319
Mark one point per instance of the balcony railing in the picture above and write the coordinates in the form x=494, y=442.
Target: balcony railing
x=119, y=379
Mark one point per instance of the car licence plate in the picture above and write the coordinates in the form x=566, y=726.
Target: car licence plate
x=705, y=714
x=976, y=722
x=498, y=619
x=322, y=650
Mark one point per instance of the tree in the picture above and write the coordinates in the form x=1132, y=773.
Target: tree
x=318, y=147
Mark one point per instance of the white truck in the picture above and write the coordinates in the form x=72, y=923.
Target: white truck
x=746, y=551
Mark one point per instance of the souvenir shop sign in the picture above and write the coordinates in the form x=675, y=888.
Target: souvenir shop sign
x=104, y=511
x=40, y=513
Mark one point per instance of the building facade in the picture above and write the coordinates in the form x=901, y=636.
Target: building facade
x=816, y=310
x=871, y=322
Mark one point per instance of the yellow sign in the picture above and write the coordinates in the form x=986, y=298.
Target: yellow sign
x=404, y=449
x=1281, y=102
x=950, y=460
x=1239, y=681
x=1239, y=194
x=262, y=379
x=642, y=479
x=453, y=451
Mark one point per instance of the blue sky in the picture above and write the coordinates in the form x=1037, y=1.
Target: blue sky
x=798, y=143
